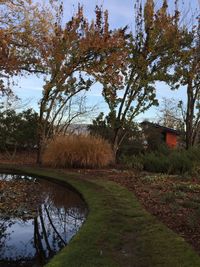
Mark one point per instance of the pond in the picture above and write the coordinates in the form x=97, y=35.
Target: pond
x=37, y=219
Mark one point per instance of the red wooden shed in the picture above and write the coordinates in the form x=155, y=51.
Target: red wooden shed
x=168, y=135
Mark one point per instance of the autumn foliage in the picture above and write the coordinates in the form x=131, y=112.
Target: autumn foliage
x=72, y=55
x=77, y=55
x=25, y=32
x=78, y=151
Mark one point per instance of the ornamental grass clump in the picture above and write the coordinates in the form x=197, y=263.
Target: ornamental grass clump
x=78, y=151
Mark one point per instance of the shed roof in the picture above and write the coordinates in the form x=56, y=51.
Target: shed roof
x=162, y=128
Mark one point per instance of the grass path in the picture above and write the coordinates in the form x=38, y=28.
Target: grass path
x=118, y=231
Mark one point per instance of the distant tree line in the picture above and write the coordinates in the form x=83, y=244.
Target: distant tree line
x=18, y=131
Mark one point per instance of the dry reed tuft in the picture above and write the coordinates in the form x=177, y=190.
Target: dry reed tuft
x=78, y=151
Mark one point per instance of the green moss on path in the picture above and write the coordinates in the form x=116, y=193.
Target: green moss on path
x=118, y=231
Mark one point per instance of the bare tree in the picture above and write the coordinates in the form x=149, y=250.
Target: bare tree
x=171, y=115
x=75, y=111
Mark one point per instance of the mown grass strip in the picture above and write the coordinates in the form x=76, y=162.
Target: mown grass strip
x=118, y=231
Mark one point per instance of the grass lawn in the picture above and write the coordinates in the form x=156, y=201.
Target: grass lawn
x=118, y=231
x=174, y=200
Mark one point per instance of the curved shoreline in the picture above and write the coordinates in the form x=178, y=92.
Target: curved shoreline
x=117, y=231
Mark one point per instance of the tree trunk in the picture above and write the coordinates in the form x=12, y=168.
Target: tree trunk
x=41, y=132
x=40, y=143
x=41, y=147
x=115, y=149
x=189, y=116
x=116, y=144
x=39, y=158
x=119, y=138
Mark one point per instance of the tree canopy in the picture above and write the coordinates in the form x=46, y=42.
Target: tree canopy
x=72, y=56
x=148, y=49
x=25, y=28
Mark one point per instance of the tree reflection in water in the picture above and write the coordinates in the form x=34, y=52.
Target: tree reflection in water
x=30, y=238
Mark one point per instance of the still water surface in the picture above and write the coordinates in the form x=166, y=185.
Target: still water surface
x=37, y=219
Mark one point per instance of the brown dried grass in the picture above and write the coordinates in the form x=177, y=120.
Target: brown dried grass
x=78, y=151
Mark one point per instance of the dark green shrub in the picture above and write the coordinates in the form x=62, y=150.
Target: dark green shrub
x=163, y=150
x=194, y=154
x=18, y=131
x=172, y=162
x=156, y=163
x=167, y=161
x=180, y=163
x=135, y=162
x=177, y=162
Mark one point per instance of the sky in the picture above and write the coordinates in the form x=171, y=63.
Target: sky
x=121, y=13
